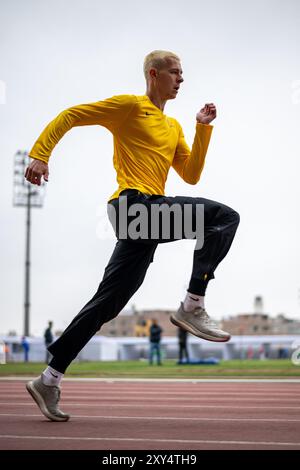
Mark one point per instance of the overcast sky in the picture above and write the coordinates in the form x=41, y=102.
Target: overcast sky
x=244, y=56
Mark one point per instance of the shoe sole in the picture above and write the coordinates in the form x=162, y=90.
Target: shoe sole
x=41, y=403
x=188, y=327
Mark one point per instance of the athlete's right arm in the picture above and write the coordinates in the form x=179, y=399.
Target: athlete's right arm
x=109, y=113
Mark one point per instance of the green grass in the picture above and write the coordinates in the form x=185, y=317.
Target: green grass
x=169, y=369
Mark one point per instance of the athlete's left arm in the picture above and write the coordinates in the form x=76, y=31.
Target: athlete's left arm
x=189, y=163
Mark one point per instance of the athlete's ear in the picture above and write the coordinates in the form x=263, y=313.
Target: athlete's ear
x=153, y=73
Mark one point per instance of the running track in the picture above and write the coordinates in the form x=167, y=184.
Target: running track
x=157, y=414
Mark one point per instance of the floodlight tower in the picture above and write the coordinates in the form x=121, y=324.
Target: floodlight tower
x=25, y=195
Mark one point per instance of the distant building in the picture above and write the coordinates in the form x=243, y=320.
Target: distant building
x=260, y=324
x=122, y=325
x=137, y=323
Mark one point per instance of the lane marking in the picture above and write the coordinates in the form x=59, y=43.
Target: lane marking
x=167, y=441
x=168, y=418
x=155, y=380
x=162, y=392
x=114, y=405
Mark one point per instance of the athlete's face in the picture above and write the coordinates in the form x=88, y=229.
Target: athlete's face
x=169, y=79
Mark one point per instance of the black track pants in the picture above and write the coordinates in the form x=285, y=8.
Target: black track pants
x=128, y=265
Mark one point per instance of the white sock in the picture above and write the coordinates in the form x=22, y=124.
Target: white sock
x=51, y=376
x=193, y=301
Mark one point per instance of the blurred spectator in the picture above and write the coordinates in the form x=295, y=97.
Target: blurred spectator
x=250, y=352
x=155, y=337
x=262, y=353
x=7, y=352
x=182, y=341
x=2, y=352
x=26, y=348
x=283, y=353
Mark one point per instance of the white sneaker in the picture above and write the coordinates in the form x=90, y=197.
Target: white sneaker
x=199, y=324
x=47, y=398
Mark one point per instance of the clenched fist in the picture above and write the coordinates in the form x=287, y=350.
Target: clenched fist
x=35, y=171
x=207, y=114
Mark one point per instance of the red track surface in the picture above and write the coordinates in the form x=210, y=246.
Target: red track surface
x=155, y=415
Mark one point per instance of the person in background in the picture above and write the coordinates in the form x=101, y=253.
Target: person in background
x=48, y=336
x=155, y=337
x=262, y=353
x=182, y=341
x=26, y=347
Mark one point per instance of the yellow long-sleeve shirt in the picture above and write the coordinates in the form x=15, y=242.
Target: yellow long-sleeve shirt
x=146, y=141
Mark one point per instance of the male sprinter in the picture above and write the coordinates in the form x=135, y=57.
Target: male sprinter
x=146, y=144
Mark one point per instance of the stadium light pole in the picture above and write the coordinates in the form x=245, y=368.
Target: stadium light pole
x=25, y=195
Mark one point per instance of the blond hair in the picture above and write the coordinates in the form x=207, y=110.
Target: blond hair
x=157, y=60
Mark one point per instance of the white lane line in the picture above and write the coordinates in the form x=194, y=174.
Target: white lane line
x=281, y=380
x=176, y=399
x=163, y=397
x=168, y=418
x=165, y=441
x=180, y=397
x=114, y=405
x=202, y=392
x=159, y=401
x=165, y=393
x=163, y=388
